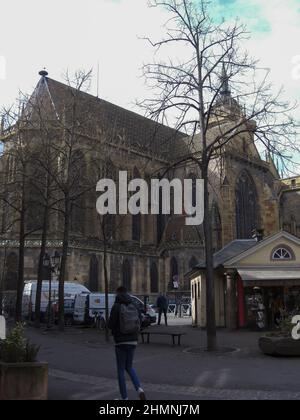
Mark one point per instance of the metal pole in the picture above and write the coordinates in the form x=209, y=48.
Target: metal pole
x=49, y=299
x=2, y=280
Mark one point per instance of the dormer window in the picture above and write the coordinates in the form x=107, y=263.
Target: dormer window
x=282, y=254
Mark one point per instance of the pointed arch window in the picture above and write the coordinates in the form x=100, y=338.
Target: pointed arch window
x=109, y=220
x=78, y=191
x=126, y=275
x=94, y=274
x=216, y=227
x=173, y=272
x=193, y=177
x=136, y=218
x=247, y=211
x=193, y=262
x=161, y=218
x=153, y=278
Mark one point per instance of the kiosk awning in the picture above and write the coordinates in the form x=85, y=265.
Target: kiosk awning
x=261, y=275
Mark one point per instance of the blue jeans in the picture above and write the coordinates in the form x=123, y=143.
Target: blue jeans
x=124, y=355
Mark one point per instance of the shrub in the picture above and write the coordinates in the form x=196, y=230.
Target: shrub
x=16, y=349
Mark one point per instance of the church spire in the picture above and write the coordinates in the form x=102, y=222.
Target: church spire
x=225, y=92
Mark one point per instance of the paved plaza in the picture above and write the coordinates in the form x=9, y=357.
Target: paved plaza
x=82, y=367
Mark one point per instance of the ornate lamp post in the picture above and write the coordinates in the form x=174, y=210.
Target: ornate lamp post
x=53, y=265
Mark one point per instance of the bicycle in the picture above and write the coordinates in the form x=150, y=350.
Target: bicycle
x=99, y=321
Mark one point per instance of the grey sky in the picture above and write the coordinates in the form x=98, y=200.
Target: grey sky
x=73, y=34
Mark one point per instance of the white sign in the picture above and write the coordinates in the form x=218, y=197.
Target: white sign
x=176, y=281
x=2, y=328
x=296, y=329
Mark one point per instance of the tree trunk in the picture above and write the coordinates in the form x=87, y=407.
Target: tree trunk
x=2, y=281
x=20, y=285
x=41, y=267
x=106, y=293
x=210, y=289
x=63, y=266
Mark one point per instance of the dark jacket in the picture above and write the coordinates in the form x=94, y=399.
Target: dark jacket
x=162, y=302
x=114, y=320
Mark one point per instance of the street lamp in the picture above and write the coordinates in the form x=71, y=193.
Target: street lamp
x=55, y=259
x=52, y=264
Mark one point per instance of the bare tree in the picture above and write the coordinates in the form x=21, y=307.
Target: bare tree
x=214, y=94
x=16, y=183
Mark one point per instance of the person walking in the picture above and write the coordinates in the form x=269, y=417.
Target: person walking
x=125, y=323
x=162, y=305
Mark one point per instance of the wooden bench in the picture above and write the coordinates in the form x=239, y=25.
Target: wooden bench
x=172, y=334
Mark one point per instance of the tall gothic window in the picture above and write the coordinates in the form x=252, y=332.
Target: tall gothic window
x=109, y=220
x=126, y=275
x=193, y=262
x=153, y=278
x=94, y=274
x=11, y=276
x=216, y=227
x=136, y=218
x=193, y=177
x=160, y=219
x=247, y=212
x=78, y=191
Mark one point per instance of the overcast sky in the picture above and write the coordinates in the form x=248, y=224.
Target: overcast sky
x=76, y=34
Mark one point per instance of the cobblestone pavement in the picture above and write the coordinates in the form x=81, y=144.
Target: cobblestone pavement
x=82, y=366
x=104, y=388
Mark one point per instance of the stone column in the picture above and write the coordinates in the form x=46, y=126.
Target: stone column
x=231, y=301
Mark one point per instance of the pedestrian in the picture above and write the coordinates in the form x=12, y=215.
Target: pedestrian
x=125, y=323
x=162, y=305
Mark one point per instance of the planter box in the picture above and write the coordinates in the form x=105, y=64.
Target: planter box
x=23, y=381
x=280, y=346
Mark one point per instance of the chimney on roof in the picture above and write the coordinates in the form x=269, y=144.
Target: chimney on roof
x=258, y=234
x=43, y=73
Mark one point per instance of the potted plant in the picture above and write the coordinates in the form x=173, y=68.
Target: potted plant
x=21, y=376
x=280, y=342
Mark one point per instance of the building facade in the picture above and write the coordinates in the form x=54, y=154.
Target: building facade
x=145, y=252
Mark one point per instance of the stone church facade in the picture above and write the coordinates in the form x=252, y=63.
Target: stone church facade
x=148, y=252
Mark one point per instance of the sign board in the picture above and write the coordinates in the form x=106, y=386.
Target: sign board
x=2, y=328
x=176, y=281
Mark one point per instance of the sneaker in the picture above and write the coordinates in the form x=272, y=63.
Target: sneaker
x=142, y=394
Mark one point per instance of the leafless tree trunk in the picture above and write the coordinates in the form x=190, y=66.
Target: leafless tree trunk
x=44, y=236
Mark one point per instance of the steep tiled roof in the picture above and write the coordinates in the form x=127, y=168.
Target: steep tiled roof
x=140, y=132
x=231, y=250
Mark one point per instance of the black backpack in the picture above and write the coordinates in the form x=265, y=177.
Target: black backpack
x=129, y=319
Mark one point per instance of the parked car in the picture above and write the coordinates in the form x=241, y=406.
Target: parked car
x=149, y=314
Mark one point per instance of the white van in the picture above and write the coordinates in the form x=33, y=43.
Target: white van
x=87, y=306
x=71, y=290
